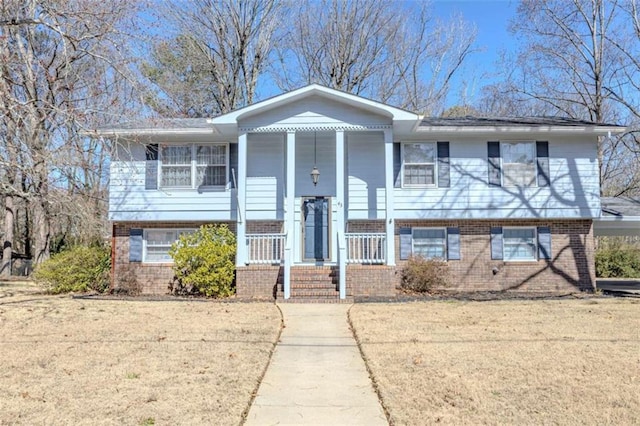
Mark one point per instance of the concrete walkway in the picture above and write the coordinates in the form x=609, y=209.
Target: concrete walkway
x=316, y=375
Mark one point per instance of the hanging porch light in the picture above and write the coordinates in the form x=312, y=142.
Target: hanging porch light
x=315, y=173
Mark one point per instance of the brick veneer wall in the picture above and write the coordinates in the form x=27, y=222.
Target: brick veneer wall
x=147, y=278
x=366, y=226
x=371, y=280
x=264, y=227
x=257, y=281
x=571, y=268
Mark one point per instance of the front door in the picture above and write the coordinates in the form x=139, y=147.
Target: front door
x=315, y=228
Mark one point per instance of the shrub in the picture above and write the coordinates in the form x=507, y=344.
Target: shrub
x=204, y=262
x=618, y=262
x=423, y=275
x=76, y=269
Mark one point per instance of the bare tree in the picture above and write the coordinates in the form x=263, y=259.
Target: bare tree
x=568, y=65
x=214, y=60
x=372, y=49
x=61, y=69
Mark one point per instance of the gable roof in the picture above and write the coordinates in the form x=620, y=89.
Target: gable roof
x=396, y=114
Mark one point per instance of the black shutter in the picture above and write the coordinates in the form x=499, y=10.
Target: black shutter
x=453, y=243
x=135, y=245
x=542, y=154
x=405, y=243
x=496, y=243
x=444, y=180
x=397, y=165
x=544, y=242
x=493, y=154
x=233, y=164
x=151, y=167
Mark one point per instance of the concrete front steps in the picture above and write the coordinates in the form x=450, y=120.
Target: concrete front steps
x=312, y=284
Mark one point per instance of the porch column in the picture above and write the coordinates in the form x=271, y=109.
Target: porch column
x=340, y=212
x=388, y=180
x=289, y=215
x=241, y=250
x=340, y=190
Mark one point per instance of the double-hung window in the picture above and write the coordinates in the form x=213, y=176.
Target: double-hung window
x=157, y=243
x=518, y=163
x=193, y=166
x=430, y=243
x=419, y=164
x=519, y=243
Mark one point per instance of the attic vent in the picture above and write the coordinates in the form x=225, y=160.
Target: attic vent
x=611, y=211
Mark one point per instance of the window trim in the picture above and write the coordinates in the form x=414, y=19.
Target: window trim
x=145, y=232
x=194, y=165
x=535, y=242
x=431, y=228
x=403, y=184
x=502, y=163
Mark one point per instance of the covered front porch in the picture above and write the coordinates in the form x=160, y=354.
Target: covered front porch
x=344, y=218
x=294, y=220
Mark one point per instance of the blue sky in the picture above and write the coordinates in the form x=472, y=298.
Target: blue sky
x=491, y=18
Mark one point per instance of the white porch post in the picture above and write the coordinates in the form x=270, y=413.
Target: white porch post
x=340, y=219
x=289, y=217
x=241, y=251
x=390, y=216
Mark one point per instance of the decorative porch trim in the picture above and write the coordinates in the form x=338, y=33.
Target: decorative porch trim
x=314, y=128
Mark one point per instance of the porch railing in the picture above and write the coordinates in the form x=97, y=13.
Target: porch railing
x=265, y=248
x=366, y=247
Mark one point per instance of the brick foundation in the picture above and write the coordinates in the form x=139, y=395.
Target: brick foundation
x=371, y=280
x=571, y=268
x=257, y=281
x=138, y=277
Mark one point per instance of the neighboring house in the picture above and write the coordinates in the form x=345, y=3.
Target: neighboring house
x=509, y=203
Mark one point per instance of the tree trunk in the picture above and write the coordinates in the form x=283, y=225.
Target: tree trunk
x=7, y=241
x=42, y=231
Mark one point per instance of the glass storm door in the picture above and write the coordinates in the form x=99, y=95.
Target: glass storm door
x=315, y=228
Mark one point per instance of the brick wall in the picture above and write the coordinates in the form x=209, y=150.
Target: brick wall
x=366, y=226
x=371, y=280
x=257, y=281
x=146, y=278
x=264, y=227
x=571, y=268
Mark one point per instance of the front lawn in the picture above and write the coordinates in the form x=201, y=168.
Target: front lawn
x=73, y=361
x=505, y=362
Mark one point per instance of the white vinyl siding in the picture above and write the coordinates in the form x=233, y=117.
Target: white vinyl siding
x=519, y=244
x=430, y=243
x=419, y=164
x=518, y=163
x=193, y=166
x=157, y=242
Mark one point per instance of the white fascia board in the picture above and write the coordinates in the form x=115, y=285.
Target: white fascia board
x=600, y=130
x=315, y=89
x=153, y=132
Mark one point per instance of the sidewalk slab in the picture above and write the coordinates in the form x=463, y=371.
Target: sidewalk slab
x=316, y=375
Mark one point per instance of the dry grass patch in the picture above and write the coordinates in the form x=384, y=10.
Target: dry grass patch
x=510, y=362
x=70, y=361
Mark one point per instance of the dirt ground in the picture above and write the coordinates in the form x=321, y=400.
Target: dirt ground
x=79, y=361
x=505, y=362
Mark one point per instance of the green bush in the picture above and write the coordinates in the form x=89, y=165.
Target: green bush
x=204, y=262
x=424, y=275
x=618, y=262
x=76, y=269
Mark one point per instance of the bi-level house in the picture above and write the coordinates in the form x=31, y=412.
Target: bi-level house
x=329, y=194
